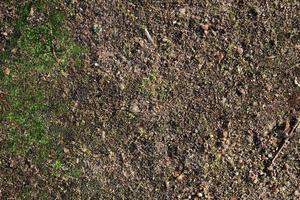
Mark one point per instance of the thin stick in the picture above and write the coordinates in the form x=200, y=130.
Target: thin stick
x=148, y=35
x=291, y=134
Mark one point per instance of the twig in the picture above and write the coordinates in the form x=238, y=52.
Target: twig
x=290, y=135
x=148, y=35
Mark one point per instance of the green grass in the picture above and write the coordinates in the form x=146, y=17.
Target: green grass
x=40, y=48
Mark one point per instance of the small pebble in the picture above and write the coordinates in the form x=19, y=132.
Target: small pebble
x=240, y=50
x=122, y=86
x=135, y=108
x=182, y=11
x=66, y=150
x=199, y=194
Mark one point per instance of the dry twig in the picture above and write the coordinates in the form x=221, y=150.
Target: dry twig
x=148, y=35
x=290, y=135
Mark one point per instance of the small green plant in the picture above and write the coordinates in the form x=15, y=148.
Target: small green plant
x=74, y=172
x=57, y=165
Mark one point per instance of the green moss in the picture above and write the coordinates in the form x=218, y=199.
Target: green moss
x=41, y=48
x=57, y=165
x=73, y=172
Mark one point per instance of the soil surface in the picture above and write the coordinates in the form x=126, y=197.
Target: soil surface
x=179, y=100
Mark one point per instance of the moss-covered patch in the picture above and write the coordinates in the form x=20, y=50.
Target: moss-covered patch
x=36, y=50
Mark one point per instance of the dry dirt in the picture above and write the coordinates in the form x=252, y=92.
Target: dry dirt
x=183, y=100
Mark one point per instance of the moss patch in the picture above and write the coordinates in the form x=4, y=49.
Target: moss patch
x=38, y=48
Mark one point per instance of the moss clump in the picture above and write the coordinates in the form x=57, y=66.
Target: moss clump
x=35, y=50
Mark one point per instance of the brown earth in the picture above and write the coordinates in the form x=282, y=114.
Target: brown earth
x=183, y=100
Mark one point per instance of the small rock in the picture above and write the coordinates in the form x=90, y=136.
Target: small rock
x=167, y=184
x=135, y=108
x=66, y=150
x=223, y=101
x=122, y=86
x=240, y=50
x=182, y=11
x=199, y=194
